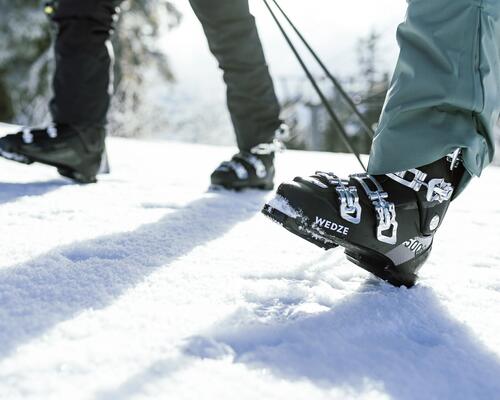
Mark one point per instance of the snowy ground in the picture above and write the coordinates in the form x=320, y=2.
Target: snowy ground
x=146, y=286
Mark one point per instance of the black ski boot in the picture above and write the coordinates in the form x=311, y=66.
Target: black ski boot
x=386, y=223
x=78, y=154
x=252, y=169
x=245, y=171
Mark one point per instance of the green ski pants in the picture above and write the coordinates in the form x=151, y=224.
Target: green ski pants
x=444, y=93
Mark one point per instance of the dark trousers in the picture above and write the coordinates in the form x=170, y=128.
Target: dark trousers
x=82, y=82
x=82, y=88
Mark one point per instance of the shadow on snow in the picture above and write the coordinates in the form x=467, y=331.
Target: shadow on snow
x=403, y=341
x=10, y=192
x=38, y=294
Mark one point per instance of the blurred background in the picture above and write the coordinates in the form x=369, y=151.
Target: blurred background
x=168, y=84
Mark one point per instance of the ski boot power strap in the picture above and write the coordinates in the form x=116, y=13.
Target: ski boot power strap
x=437, y=189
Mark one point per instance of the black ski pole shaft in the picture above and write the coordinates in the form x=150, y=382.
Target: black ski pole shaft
x=321, y=95
x=367, y=128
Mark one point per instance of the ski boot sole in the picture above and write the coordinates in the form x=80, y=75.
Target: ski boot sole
x=237, y=188
x=377, y=264
x=77, y=176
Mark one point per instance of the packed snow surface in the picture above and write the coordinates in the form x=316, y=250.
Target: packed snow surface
x=148, y=286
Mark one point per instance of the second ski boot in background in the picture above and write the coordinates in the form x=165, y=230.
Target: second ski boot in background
x=252, y=169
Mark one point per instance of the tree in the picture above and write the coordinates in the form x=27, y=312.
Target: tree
x=140, y=63
x=26, y=61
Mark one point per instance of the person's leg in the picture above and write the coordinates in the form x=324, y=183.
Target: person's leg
x=82, y=90
x=445, y=90
x=234, y=41
x=444, y=97
x=82, y=81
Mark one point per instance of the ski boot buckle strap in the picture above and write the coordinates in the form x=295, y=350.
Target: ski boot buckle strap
x=350, y=209
x=255, y=162
x=385, y=211
x=239, y=170
x=27, y=136
x=437, y=189
x=415, y=183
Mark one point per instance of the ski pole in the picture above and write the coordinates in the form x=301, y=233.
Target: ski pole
x=367, y=128
x=318, y=90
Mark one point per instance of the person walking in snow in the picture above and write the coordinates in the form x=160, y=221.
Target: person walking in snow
x=74, y=143
x=435, y=134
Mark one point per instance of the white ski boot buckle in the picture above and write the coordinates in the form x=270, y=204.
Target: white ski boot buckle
x=385, y=211
x=350, y=209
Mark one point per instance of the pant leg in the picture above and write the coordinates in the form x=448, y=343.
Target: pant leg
x=445, y=90
x=82, y=81
x=233, y=39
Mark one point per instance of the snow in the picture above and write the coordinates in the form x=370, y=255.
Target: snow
x=281, y=204
x=148, y=286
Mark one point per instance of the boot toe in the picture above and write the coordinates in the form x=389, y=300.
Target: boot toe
x=6, y=144
x=222, y=177
x=306, y=199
